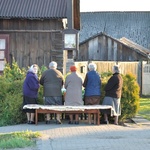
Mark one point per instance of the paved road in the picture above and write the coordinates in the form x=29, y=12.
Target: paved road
x=88, y=137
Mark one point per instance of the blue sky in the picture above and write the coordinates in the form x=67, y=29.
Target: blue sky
x=114, y=5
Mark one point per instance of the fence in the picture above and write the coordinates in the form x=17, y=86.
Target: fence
x=135, y=68
x=146, y=80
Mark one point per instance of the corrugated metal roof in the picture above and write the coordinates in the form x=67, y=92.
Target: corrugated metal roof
x=33, y=9
x=132, y=25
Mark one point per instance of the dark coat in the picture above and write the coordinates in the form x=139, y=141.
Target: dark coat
x=31, y=85
x=114, y=85
x=52, y=81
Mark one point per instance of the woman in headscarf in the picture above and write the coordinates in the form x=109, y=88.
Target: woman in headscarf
x=113, y=91
x=73, y=97
x=30, y=92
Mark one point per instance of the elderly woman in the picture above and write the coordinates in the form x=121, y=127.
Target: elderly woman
x=73, y=85
x=30, y=92
x=52, y=81
x=92, y=84
x=112, y=97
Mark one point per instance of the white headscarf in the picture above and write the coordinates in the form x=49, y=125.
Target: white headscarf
x=116, y=69
x=34, y=69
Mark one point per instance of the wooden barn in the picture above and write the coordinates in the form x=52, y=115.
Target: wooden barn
x=31, y=31
x=103, y=47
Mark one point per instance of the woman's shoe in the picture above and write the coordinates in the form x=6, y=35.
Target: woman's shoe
x=28, y=122
x=47, y=121
x=106, y=122
x=76, y=122
x=70, y=122
x=32, y=122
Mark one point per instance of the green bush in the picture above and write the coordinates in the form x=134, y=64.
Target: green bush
x=11, y=102
x=104, y=78
x=12, y=73
x=130, y=97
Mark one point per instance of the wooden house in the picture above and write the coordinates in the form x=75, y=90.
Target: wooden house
x=103, y=47
x=31, y=31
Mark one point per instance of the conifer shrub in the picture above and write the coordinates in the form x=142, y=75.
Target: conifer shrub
x=12, y=105
x=130, y=97
x=13, y=72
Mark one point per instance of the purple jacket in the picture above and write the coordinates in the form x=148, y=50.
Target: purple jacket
x=31, y=85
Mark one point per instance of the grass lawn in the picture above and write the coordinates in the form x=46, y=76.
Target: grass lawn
x=144, y=110
x=18, y=140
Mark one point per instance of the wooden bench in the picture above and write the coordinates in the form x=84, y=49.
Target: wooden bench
x=88, y=109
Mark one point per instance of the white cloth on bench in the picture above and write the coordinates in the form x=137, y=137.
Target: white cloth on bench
x=67, y=108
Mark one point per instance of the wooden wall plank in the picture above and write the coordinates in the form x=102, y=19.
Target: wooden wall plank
x=26, y=60
x=109, y=49
x=19, y=48
x=12, y=46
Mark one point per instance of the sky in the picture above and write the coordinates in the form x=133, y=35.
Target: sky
x=114, y=5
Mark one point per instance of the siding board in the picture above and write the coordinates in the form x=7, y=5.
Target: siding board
x=109, y=48
x=115, y=51
x=100, y=48
x=35, y=46
x=104, y=48
x=18, y=47
x=27, y=48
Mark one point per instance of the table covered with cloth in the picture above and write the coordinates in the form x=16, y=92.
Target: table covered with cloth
x=89, y=109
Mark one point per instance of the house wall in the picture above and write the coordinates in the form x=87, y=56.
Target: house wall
x=104, y=48
x=34, y=41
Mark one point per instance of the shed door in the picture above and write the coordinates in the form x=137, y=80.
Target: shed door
x=4, y=42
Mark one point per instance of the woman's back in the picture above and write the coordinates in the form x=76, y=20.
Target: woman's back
x=73, y=85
